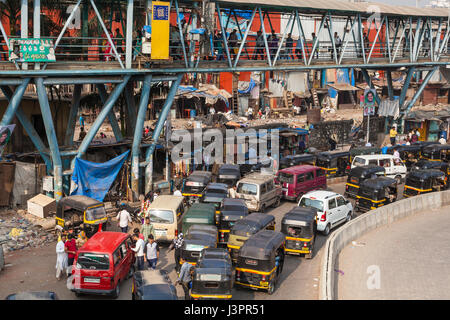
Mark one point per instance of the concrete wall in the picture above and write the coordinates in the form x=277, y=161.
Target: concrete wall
x=365, y=223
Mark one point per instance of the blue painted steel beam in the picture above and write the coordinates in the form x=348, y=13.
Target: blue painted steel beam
x=51, y=137
x=131, y=105
x=29, y=129
x=261, y=20
x=419, y=91
x=14, y=103
x=68, y=141
x=406, y=83
x=163, y=115
x=389, y=83
x=111, y=115
x=224, y=36
x=135, y=151
x=180, y=30
x=101, y=117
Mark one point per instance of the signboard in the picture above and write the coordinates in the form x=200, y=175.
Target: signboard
x=31, y=50
x=5, y=136
x=370, y=110
x=160, y=30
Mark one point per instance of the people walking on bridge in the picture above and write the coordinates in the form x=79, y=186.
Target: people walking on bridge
x=273, y=45
x=119, y=42
x=218, y=44
x=299, y=48
x=288, y=54
x=259, y=46
x=232, y=42
x=316, y=50
x=338, y=44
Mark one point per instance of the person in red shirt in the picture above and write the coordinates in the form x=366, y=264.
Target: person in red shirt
x=71, y=249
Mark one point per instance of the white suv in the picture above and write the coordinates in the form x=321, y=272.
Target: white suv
x=332, y=209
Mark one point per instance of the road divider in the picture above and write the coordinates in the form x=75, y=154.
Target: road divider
x=366, y=222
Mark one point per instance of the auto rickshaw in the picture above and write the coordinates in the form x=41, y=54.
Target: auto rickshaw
x=376, y=192
x=300, y=226
x=81, y=213
x=363, y=151
x=359, y=174
x=436, y=152
x=214, y=194
x=245, y=228
x=260, y=261
x=424, y=181
x=438, y=165
x=212, y=277
x=229, y=174
x=298, y=159
x=196, y=239
x=194, y=185
x=231, y=210
x=409, y=154
x=152, y=285
x=199, y=213
x=335, y=163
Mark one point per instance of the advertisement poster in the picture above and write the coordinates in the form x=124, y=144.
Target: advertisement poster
x=5, y=136
x=369, y=102
x=160, y=30
x=31, y=50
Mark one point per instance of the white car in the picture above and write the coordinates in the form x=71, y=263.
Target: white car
x=332, y=209
x=393, y=166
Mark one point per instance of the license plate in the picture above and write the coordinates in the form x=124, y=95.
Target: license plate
x=263, y=283
x=160, y=232
x=92, y=280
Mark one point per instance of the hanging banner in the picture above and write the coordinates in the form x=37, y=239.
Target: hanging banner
x=5, y=136
x=31, y=50
x=160, y=30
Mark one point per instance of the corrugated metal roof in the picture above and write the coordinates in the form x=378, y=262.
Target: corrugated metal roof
x=343, y=7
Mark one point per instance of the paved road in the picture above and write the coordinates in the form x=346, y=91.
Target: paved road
x=412, y=254
x=299, y=280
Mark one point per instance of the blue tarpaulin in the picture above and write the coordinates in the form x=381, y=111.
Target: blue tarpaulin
x=251, y=85
x=94, y=179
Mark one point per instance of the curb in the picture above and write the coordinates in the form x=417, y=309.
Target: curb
x=365, y=223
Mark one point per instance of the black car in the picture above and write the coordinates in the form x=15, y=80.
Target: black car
x=153, y=285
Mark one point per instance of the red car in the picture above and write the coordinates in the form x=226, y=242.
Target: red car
x=103, y=262
x=298, y=180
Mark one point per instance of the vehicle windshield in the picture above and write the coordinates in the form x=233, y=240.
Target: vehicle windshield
x=93, y=261
x=228, y=174
x=358, y=162
x=286, y=177
x=216, y=192
x=311, y=203
x=247, y=188
x=213, y=263
x=161, y=216
x=322, y=163
x=193, y=187
x=233, y=208
x=95, y=213
x=415, y=183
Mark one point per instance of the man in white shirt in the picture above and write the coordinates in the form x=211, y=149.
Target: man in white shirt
x=232, y=192
x=442, y=140
x=152, y=252
x=139, y=249
x=61, y=257
x=177, y=193
x=396, y=153
x=123, y=217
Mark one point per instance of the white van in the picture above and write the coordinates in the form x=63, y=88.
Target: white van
x=394, y=166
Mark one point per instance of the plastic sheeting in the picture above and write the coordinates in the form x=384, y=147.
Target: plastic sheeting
x=245, y=86
x=94, y=179
x=389, y=108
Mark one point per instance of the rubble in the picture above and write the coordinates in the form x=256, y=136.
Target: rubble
x=18, y=232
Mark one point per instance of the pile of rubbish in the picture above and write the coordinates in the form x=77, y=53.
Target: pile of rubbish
x=19, y=233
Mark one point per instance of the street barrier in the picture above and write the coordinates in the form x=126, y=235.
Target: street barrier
x=365, y=223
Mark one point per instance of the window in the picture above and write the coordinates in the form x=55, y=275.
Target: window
x=285, y=177
x=310, y=203
x=161, y=216
x=360, y=162
x=117, y=257
x=123, y=249
x=332, y=203
x=247, y=188
x=300, y=178
x=320, y=173
x=269, y=186
x=340, y=201
x=263, y=188
x=309, y=176
x=375, y=162
x=93, y=261
x=385, y=163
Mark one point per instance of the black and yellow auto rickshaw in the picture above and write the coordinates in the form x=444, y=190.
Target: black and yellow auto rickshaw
x=212, y=278
x=194, y=185
x=229, y=174
x=197, y=238
x=231, y=211
x=360, y=151
x=246, y=227
x=424, y=181
x=409, y=154
x=436, y=152
x=359, y=174
x=214, y=194
x=335, y=163
x=81, y=212
x=438, y=165
x=376, y=192
x=300, y=226
x=260, y=261
x=298, y=159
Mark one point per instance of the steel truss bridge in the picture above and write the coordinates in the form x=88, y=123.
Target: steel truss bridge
x=403, y=38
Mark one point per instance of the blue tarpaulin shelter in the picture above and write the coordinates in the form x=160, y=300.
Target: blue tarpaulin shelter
x=94, y=179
